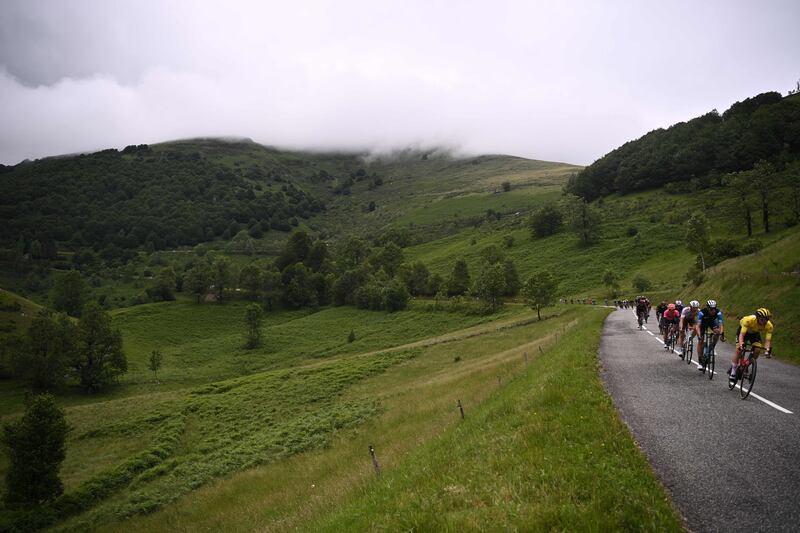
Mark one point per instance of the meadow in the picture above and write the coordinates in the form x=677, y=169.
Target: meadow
x=540, y=446
x=219, y=408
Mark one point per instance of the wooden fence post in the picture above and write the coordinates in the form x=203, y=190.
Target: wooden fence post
x=461, y=408
x=375, y=461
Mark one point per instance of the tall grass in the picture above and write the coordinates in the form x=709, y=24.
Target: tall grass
x=540, y=447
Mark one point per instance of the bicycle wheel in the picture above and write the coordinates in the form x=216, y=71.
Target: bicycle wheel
x=710, y=361
x=687, y=353
x=748, y=378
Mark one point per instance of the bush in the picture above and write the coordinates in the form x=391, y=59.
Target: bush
x=751, y=247
x=632, y=230
x=641, y=283
x=546, y=221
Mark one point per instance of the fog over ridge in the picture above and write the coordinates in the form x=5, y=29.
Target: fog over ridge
x=563, y=81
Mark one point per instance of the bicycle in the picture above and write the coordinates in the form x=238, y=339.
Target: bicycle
x=688, y=347
x=709, y=356
x=746, y=371
x=672, y=338
x=640, y=319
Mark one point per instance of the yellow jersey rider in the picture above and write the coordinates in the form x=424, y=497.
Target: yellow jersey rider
x=750, y=331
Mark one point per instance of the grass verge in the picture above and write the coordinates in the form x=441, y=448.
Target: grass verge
x=547, y=452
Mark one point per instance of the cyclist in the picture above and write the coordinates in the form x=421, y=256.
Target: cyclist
x=669, y=321
x=641, y=310
x=660, y=308
x=690, y=318
x=711, y=318
x=679, y=306
x=750, y=329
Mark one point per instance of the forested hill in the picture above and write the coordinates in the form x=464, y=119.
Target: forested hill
x=765, y=127
x=159, y=196
x=187, y=192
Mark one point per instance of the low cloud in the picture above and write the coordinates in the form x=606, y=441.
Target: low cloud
x=563, y=83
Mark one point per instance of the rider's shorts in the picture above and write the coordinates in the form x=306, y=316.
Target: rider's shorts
x=665, y=322
x=751, y=337
x=704, y=327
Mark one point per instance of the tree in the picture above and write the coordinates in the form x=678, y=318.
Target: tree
x=197, y=280
x=154, y=363
x=763, y=175
x=740, y=183
x=540, y=291
x=165, y=285
x=69, y=293
x=250, y=280
x=641, y=283
x=352, y=253
x=490, y=285
x=394, y=296
x=492, y=255
x=511, y=278
x=389, y=258
x=584, y=219
x=297, y=249
x=546, y=221
x=318, y=257
x=459, y=281
x=298, y=290
x=98, y=359
x=792, y=178
x=611, y=280
x=345, y=287
x=697, y=239
x=46, y=350
x=415, y=277
x=221, y=276
x=271, y=287
x=36, y=445
x=252, y=320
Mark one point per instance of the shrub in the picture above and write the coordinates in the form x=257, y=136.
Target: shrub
x=751, y=247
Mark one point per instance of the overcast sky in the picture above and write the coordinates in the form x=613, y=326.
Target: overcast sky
x=561, y=80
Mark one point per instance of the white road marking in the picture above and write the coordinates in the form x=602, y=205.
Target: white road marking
x=753, y=394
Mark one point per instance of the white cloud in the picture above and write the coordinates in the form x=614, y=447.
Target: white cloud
x=544, y=80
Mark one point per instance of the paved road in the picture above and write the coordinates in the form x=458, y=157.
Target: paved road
x=730, y=464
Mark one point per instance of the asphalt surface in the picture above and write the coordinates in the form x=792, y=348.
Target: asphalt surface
x=729, y=464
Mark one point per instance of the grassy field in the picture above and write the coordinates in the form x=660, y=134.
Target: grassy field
x=541, y=448
x=219, y=408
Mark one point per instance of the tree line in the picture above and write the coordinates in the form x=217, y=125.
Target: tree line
x=762, y=128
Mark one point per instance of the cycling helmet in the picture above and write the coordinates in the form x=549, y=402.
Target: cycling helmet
x=712, y=304
x=763, y=312
x=671, y=307
x=694, y=304
x=678, y=302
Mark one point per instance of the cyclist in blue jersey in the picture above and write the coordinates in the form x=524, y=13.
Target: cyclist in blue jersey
x=711, y=317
